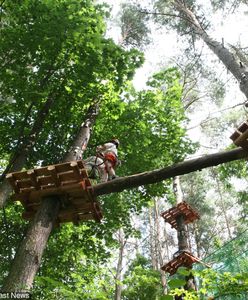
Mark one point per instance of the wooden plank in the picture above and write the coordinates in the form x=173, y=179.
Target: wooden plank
x=33, y=206
x=81, y=194
x=85, y=217
x=76, y=171
x=70, y=217
x=243, y=127
x=27, y=190
x=80, y=202
x=235, y=135
x=241, y=139
x=24, y=184
x=71, y=189
x=67, y=176
x=60, y=168
x=80, y=164
x=19, y=175
x=63, y=167
x=72, y=210
x=42, y=171
x=33, y=179
x=54, y=175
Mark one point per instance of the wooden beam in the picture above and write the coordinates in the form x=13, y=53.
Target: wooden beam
x=185, y=167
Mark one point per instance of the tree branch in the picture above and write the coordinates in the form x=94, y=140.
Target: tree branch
x=192, y=165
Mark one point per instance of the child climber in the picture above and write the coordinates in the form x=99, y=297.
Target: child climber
x=108, y=152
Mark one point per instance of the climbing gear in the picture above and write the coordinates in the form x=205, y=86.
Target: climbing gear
x=111, y=157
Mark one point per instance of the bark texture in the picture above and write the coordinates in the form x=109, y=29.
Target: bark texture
x=182, y=234
x=81, y=141
x=192, y=165
x=28, y=256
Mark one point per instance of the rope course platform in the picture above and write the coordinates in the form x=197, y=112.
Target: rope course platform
x=240, y=136
x=184, y=259
x=69, y=181
x=183, y=208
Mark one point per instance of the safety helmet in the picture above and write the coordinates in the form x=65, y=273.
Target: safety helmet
x=116, y=142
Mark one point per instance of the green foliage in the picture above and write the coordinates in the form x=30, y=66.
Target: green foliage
x=134, y=26
x=12, y=230
x=213, y=285
x=169, y=15
x=55, y=50
x=227, y=5
x=141, y=281
x=176, y=283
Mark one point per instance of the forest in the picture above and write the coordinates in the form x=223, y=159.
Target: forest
x=168, y=80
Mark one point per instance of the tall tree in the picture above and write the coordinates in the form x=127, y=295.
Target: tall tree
x=110, y=63
x=29, y=254
x=39, y=62
x=188, y=19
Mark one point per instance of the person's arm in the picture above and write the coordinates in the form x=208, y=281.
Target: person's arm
x=101, y=148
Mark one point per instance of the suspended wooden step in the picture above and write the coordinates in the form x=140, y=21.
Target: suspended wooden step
x=183, y=208
x=69, y=181
x=240, y=136
x=184, y=259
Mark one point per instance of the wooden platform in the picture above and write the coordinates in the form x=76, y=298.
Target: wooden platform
x=184, y=259
x=183, y=208
x=240, y=136
x=69, y=181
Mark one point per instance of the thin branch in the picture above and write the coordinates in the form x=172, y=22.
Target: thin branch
x=212, y=118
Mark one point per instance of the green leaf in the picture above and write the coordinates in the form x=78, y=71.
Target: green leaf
x=176, y=283
x=68, y=89
x=183, y=271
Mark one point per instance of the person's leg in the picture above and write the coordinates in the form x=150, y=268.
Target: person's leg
x=103, y=173
x=109, y=169
x=111, y=173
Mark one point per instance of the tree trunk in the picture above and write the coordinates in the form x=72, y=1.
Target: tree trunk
x=185, y=167
x=151, y=241
x=197, y=240
x=118, y=277
x=177, y=189
x=29, y=254
x=158, y=240
x=81, y=141
x=222, y=53
x=182, y=235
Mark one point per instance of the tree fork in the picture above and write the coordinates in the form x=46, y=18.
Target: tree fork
x=185, y=167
